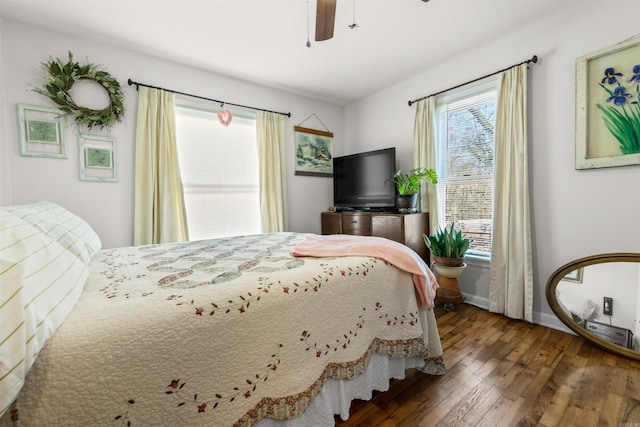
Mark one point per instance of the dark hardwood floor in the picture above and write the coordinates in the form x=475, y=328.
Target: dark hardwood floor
x=504, y=372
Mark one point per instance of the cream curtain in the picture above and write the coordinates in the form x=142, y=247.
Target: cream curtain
x=424, y=155
x=511, y=276
x=273, y=190
x=159, y=213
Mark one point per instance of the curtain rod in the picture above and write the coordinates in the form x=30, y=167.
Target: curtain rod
x=534, y=60
x=131, y=83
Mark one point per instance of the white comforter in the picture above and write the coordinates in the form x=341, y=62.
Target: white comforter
x=221, y=332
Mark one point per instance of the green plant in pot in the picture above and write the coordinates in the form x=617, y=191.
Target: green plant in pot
x=448, y=246
x=408, y=186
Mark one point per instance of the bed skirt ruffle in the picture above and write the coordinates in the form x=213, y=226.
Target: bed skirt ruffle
x=336, y=395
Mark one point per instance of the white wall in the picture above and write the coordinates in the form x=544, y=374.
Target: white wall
x=108, y=207
x=574, y=213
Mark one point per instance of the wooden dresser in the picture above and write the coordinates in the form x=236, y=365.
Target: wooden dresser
x=614, y=334
x=407, y=229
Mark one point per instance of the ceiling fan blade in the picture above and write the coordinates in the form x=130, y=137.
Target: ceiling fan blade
x=325, y=19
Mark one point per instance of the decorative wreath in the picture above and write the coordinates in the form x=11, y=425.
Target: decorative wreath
x=60, y=79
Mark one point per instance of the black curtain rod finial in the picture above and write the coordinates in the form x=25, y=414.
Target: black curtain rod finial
x=132, y=83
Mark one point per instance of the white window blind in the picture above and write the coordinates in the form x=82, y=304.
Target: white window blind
x=219, y=170
x=465, y=147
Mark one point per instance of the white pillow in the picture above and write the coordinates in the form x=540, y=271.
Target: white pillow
x=69, y=230
x=40, y=283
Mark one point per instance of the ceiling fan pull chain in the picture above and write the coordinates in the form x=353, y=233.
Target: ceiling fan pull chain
x=308, y=42
x=354, y=25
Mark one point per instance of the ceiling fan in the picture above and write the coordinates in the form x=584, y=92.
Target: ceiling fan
x=326, y=17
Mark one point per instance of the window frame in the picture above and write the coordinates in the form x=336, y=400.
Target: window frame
x=182, y=102
x=472, y=257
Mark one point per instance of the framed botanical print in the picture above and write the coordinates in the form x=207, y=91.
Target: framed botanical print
x=42, y=131
x=608, y=107
x=98, y=157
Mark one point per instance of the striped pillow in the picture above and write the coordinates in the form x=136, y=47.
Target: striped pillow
x=66, y=228
x=40, y=282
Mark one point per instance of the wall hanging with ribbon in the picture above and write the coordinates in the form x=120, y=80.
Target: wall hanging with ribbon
x=314, y=150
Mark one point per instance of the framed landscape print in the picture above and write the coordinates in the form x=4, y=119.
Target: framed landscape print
x=42, y=131
x=608, y=107
x=314, y=152
x=98, y=158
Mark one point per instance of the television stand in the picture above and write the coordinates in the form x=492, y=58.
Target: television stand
x=407, y=229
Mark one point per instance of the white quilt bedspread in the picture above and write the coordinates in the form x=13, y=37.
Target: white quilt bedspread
x=220, y=332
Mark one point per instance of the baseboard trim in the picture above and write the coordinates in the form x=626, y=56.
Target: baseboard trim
x=550, y=321
x=543, y=319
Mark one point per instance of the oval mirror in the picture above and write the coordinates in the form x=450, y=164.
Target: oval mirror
x=597, y=297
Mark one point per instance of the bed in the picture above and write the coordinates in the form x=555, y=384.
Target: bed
x=226, y=332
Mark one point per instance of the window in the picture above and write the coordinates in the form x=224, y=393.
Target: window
x=219, y=170
x=465, y=142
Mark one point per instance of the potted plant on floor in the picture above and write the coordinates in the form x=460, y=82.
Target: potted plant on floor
x=448, y=247
x=408, y=186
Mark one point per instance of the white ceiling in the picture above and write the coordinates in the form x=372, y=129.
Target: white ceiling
x=265, y=40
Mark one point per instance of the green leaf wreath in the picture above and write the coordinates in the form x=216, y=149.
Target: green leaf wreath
x=60, y=78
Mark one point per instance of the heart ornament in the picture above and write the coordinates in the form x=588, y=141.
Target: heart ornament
x=225, y=117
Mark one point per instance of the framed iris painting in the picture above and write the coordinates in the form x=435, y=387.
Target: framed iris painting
x=608, y=107
x=574, y=276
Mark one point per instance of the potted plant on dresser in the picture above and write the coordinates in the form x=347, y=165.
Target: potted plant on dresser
x=408, y=186
x=448, y=247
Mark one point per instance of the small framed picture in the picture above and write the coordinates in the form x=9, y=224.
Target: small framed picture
x=98, y=156
x=574, y=276
x=42, y=131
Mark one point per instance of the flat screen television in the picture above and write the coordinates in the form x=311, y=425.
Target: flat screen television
x=365, y=180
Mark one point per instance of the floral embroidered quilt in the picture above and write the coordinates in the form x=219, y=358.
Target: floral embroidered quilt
x=220, y=332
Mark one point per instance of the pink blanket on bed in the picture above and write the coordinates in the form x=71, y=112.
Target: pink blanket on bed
x=392, y=252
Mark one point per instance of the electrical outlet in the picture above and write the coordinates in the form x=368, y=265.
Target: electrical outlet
x=608, y=306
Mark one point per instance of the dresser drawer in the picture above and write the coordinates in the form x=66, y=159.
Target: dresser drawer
x=356, y=223
x=610, y=333
x=621, y=341
x=388, y=226
x=331, y=223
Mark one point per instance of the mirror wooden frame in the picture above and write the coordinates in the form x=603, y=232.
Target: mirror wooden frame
x=552, y=299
